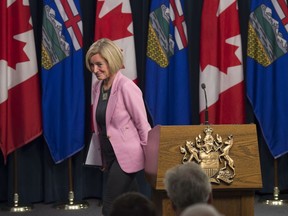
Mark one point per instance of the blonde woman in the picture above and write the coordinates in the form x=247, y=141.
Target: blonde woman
x=119, y=119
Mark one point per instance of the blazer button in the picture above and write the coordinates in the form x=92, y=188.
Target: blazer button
x=108, y=137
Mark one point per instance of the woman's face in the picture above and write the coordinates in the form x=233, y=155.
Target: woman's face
x=99, y=67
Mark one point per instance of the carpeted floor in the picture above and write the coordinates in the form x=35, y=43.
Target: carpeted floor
x=40, y=209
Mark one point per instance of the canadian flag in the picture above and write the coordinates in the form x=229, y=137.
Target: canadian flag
x=20, y=113
x=108, y=13
x=114, y=21
x=221, y=68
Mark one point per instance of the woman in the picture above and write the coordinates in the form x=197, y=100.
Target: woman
x=119, y=119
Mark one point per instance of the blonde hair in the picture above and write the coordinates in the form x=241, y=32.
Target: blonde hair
x=108, y=50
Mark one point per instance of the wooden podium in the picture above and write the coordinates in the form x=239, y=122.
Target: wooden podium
x=236, y=198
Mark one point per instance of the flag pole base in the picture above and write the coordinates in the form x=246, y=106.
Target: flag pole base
x=16, y=207
x=71, y=205
x=275, y=201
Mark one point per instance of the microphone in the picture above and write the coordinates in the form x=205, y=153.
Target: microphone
x=203, y=86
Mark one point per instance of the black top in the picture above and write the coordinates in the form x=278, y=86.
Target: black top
x=108, y=154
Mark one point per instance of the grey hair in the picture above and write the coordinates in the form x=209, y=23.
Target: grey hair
x=200, y=209
x=187, y=184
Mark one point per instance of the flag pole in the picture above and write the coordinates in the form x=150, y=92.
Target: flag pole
x=275, y=201
x=71, y=204
x=16, y=207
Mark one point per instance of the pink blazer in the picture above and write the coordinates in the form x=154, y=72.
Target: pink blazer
x=126, y=122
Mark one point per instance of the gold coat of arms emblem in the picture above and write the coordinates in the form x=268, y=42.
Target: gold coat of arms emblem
x=212, y=154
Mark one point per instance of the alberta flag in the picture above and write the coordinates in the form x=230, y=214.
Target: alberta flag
x=63, y=78
x=221, y=68
x=20, y=103
x=167, y=91
x=267, y=71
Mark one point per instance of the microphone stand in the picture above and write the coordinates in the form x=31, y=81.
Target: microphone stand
x=203, y=86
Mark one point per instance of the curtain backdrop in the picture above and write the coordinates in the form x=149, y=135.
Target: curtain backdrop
x=40, y=180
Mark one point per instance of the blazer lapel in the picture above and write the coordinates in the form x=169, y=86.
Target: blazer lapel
x=95, y=103
x=112, y=99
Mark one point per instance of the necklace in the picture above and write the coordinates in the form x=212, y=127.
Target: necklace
x=104, y=94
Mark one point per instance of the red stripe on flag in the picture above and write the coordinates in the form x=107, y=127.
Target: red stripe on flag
x=20, y=116
x=178, y=23
x=283, y=5
x=72, y=21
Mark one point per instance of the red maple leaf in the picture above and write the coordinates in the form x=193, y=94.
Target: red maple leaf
x=13, y=21
x=114, y=25
x=215, y=30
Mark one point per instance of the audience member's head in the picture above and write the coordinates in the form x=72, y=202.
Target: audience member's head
x=132, y=204
x=200, y=209
x=187, y=184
